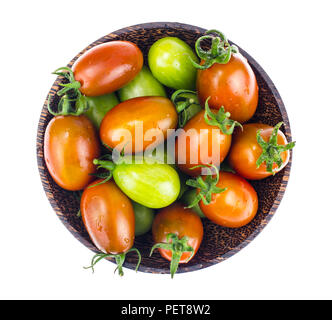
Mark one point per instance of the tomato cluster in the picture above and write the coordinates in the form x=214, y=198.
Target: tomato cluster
x=114, y=122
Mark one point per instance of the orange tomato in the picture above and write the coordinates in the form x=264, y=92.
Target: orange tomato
x=203, y=136
x=234, y=207
x=121, y=126
x=107, y=67
x=245, y=151
x=181, y=222
x=70, y=145
x=232, y=85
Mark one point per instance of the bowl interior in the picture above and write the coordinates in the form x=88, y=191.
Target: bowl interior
x=219, y=243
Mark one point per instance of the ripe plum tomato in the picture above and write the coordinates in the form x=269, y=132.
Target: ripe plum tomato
x=199, y=144
x=109, y=218
x=151, y=116
x=232, y=85
x=70, y=145
x=107, y=67
x=235, y=206
x=178, y=233
x=246, y=151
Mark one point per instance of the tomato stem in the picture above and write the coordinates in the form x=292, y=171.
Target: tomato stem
x=177, y=247
x=72, y=102
x=220, y=120
x=206, y=187
x=119, y=259
x=68, y=74
x=104, y=164
x=108, y=162
x=271, y=151
x=186, y=104
x=220, y=51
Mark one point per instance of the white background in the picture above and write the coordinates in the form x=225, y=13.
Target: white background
x=290, y=259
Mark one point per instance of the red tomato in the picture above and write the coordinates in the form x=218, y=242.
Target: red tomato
x=154, y=114
x=203, y=136
x=234, y=207
x=109, y=218
x=181, y=222
x=245, y=151
x=232, y=85
x=70, y=145
x=107, y=67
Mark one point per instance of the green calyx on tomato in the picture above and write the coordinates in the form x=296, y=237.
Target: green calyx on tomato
x=70, y=95
x=143, y=85
x=119, y=259
x=220, y=51
x=108, y=165
x=177, y=247
x=220, y=119
x=271, y=151
x=205, y=187
x=152, y=184
x=186, y=104
x=72, y=102
x=72, y=84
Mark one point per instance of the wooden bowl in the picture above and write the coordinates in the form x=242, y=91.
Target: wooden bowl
x=219, y=243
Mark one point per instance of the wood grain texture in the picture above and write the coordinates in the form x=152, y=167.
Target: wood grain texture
x=219, y=243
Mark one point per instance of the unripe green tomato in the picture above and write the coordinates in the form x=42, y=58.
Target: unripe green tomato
x=160, y=155
x=99, y=106
x=184, y=187
x=169, y=62
x=144, y=84
x=143, y=218
x=154, y=185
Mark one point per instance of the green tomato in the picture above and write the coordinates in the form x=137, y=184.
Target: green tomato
x=99, y=106
x=188, y=197
x=144, y=84
x=184, y=187
x=169, y=61
x=161, y=155
x=153, y=185
x=143, y=218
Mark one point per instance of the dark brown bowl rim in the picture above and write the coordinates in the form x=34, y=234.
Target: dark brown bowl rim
x=286, y=170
